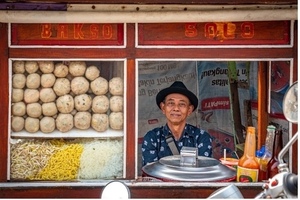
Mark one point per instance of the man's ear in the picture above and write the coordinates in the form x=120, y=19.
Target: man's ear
x=191, y=108
x=161, y=105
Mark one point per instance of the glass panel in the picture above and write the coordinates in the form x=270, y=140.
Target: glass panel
x=66, y=159
x=67, y=119
x=210, y=82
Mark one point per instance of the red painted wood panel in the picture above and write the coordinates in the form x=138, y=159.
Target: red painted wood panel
x=131, y=53
x=212, y=33
x=67, y=34
x=136, y=192
x=4, y=101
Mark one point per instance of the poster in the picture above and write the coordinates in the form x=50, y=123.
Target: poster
x=214, y=100
x=279, y=84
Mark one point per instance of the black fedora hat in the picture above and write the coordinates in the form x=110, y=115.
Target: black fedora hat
x=177, y=87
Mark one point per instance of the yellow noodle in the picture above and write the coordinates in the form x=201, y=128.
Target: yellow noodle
x=62, y=165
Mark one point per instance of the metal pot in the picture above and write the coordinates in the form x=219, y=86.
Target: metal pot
x=206, y=170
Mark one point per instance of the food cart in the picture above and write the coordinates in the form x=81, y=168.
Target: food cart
x=96, y=120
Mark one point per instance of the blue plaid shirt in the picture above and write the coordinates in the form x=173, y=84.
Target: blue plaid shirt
x=155, y=146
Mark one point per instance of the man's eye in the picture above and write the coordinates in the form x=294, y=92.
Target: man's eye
x=170, y=103
x=182, y=105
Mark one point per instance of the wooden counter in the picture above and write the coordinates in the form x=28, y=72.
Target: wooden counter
x=138, y=189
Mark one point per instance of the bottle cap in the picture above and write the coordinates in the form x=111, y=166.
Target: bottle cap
x=251, y=129
x=271, y=127
x=260, y=152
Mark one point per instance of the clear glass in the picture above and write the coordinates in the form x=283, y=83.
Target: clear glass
x=208, y=79
x=67, y=119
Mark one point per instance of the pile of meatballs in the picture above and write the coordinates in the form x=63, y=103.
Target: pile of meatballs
x=48, y=96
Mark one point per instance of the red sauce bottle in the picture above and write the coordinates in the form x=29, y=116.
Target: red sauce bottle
x=248, y=167
x=263, y=162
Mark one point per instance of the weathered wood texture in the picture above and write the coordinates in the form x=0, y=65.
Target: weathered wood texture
x=200, y=2
x=210, y=33
x=262, y=110
x=136, y=192
x=4, y=101
x=295, y=78
x=68, y=34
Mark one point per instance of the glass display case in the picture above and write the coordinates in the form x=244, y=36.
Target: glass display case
x=66, y=119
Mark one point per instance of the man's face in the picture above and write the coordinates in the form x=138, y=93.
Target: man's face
x=177, y=108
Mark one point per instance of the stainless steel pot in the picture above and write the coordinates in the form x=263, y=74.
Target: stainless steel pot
x=206, y=170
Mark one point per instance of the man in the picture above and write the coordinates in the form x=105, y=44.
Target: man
x=176, y=103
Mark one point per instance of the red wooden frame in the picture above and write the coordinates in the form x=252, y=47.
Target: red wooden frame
x=212, y=33
x=67, y=34
x=131, y=53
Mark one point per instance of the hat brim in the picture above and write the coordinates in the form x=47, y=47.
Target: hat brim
x=165, y=92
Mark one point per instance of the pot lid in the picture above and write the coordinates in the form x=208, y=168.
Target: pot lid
x=207, y=170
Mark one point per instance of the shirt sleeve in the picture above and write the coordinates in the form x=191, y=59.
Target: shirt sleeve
x=204, y=143
x=149, y=148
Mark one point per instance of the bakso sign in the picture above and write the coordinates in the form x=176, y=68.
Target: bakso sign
x=213, y=33
x=67, y=34
x=154, y=34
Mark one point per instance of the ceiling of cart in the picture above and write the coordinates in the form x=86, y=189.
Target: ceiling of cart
x=128, y=12
x=194, y=2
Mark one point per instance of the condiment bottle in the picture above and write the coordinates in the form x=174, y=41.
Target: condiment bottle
x=248, y=167
x=273, y=163
x=264, y=160
x=259, y=153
